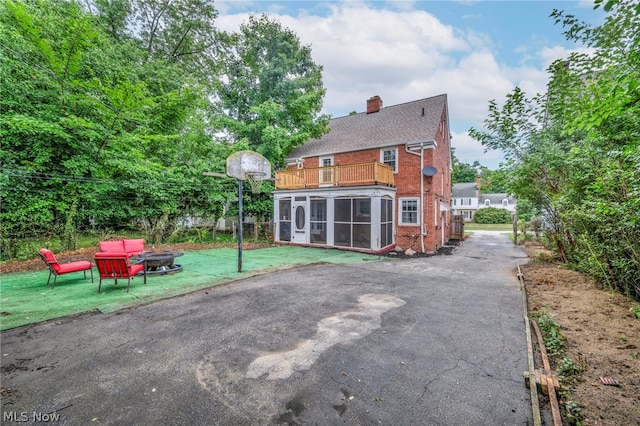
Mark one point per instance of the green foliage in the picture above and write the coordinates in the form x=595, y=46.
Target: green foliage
x=573, y=153
x=463, y=172
x=566, y=368
x=493, y=181
x=96, y=132
x=112, y=110
x=572, y=412
x=553, y=338
x=492, y=215
x=272, y=92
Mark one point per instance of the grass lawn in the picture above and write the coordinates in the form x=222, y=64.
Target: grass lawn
x=25, y=297
x=471, y=226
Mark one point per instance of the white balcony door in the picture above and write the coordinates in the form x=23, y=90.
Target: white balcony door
x=326, y=175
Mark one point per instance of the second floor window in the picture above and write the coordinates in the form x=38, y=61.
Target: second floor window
x=390, y=158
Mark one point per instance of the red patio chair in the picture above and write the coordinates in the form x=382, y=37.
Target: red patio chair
x=56, y=268
x=116, y=265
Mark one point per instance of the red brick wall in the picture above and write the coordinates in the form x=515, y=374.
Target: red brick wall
x=407, y=180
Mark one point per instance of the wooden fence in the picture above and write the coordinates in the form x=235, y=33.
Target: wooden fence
x=457, y=227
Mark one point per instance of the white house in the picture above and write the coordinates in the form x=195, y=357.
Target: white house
x=466, y=199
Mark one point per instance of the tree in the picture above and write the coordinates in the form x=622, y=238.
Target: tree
x=269, y=96
x=493, y=181
x=93, y=134
x=271, y=91
x=463, y=172
x=573, y=152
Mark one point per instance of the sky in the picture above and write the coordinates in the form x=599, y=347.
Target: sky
x=473, y=51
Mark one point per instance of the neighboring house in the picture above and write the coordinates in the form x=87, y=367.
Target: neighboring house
x=498, y=200
x=375, y=181
x=466, y=199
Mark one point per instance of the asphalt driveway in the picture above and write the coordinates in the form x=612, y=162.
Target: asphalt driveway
x=428, y=341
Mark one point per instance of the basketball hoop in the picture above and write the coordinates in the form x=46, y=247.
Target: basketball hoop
x=255, y=181
x=247, y=166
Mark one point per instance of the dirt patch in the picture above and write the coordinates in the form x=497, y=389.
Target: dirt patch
x=602, y=339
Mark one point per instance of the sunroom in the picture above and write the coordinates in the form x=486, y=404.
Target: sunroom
x=331, y=215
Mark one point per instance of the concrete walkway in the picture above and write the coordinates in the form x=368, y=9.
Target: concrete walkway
x=429, y=341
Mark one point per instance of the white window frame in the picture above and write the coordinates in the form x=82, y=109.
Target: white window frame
x=487, y=203
x=322, y=160
x=395, y=156
x=401, y=202
x=505, y=202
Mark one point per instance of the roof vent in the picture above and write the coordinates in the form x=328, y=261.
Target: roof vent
x=374, y=104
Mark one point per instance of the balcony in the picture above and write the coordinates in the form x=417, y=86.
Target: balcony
x=357, y=174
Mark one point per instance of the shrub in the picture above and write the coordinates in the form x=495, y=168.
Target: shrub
x=493, y=215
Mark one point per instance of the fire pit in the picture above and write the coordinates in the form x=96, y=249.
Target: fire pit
x=160, y=262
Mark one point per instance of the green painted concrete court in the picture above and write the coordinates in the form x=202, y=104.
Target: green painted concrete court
x=25, y=298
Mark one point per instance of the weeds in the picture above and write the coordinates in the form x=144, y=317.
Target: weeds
x=553, y=339
x=567, y=368
x=572, y=413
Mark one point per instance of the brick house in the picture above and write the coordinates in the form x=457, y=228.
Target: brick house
x=377, y=180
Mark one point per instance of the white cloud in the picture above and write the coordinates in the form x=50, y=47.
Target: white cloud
x=401, y=4
x=403, y=54
x=468, y=150
x=550, y=54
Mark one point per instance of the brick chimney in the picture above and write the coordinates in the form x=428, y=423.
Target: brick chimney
x=374, y=104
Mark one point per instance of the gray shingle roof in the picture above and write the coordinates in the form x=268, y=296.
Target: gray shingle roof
x=392, y=125
x=496, y=198
x=464, y=190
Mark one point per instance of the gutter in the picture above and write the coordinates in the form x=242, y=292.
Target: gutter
x=409, y=149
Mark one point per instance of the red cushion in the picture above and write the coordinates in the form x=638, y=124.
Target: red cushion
x=81, y=265
x=50, y=259
x=134, y=269
x=133, y=247
x=48, y=255
x=112, y=246
x=64, y=268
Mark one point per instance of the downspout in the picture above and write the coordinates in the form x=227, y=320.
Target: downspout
x=422, y=219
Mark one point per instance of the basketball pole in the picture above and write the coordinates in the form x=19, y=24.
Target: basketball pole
x=240, y=182
x=245, y=165
x=240, y=225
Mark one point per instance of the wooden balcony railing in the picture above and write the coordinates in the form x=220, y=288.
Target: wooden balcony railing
x=358, y=174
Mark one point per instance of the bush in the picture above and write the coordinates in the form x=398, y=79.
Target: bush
x=493, y=215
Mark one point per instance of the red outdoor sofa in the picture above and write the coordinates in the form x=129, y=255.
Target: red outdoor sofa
x=132, y=247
